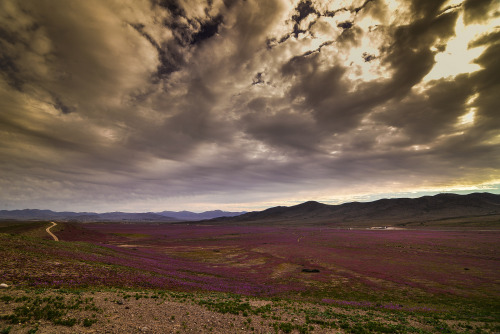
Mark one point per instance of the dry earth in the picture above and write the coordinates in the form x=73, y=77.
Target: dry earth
x=169, y=312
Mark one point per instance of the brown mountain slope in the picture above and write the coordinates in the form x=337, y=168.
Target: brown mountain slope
x=478, y=209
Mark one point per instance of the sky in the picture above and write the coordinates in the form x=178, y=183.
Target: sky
x=151, y=105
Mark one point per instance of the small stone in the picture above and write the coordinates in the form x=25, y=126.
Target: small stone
x=3, y=285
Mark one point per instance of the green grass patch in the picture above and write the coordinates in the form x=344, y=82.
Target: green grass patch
x=227, y=306
x=54, y=309
x=6, y=330
x=288, y=327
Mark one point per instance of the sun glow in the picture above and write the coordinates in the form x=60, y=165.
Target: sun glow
x=458, y=58
x=468, y=118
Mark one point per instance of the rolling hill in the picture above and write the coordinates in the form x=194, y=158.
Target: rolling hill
x=188, y=215
x=441, y=209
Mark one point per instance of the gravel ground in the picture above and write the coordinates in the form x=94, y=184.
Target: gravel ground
x=146, y=315
x=123, y=311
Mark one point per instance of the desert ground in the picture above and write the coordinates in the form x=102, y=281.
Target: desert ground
x=203, y=278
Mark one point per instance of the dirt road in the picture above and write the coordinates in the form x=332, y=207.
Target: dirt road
x=52, y=234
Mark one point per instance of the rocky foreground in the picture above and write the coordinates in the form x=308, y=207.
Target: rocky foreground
x=124, y=311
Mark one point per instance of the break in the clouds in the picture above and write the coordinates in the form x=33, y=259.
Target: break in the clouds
x=168, y=104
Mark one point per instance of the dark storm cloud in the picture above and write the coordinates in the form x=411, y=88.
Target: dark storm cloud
x=207, y=29
x=477, y=10
x=486, y=83
x=10, y=71
x=283, y=130
x=139, y=102
x=251, y=23
x=410, y=53
x=490, y=38
x=257, y=79
x=40, y=136
x=304, y=9
x=171, y=5
x=345, y=25
x=444, y=102
x=368, y=57
x=324, y=93
x=59, y=105
x=426, y=8
x=169, y=58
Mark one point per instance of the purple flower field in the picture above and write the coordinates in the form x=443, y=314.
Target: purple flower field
x=360, y=279
x=270, y=260
x=313, y=263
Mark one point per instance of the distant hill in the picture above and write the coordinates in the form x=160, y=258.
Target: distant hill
x=33, y=214
x=477, y=209
x=187, y=215
x=442, y=209
x=165, y=216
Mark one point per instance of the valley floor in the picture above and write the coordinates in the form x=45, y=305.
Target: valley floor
x=145, y=278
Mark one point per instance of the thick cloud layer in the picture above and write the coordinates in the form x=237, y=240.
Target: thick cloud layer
x=145, y=105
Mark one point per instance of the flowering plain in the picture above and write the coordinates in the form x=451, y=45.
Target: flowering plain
x=449, y=276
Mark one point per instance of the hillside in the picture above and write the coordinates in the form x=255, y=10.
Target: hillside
x=442, y=209
x=188, y=215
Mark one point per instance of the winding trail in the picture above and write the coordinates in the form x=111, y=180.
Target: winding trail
x=50, y=233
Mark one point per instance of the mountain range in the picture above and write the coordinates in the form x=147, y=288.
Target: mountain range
x=476, y=209
x=442, y=209
x=164, y=216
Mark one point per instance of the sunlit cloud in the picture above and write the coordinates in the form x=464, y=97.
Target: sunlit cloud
x=458, y=57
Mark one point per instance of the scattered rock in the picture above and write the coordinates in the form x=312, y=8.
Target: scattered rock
x=3, y=286
x=305, y=270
